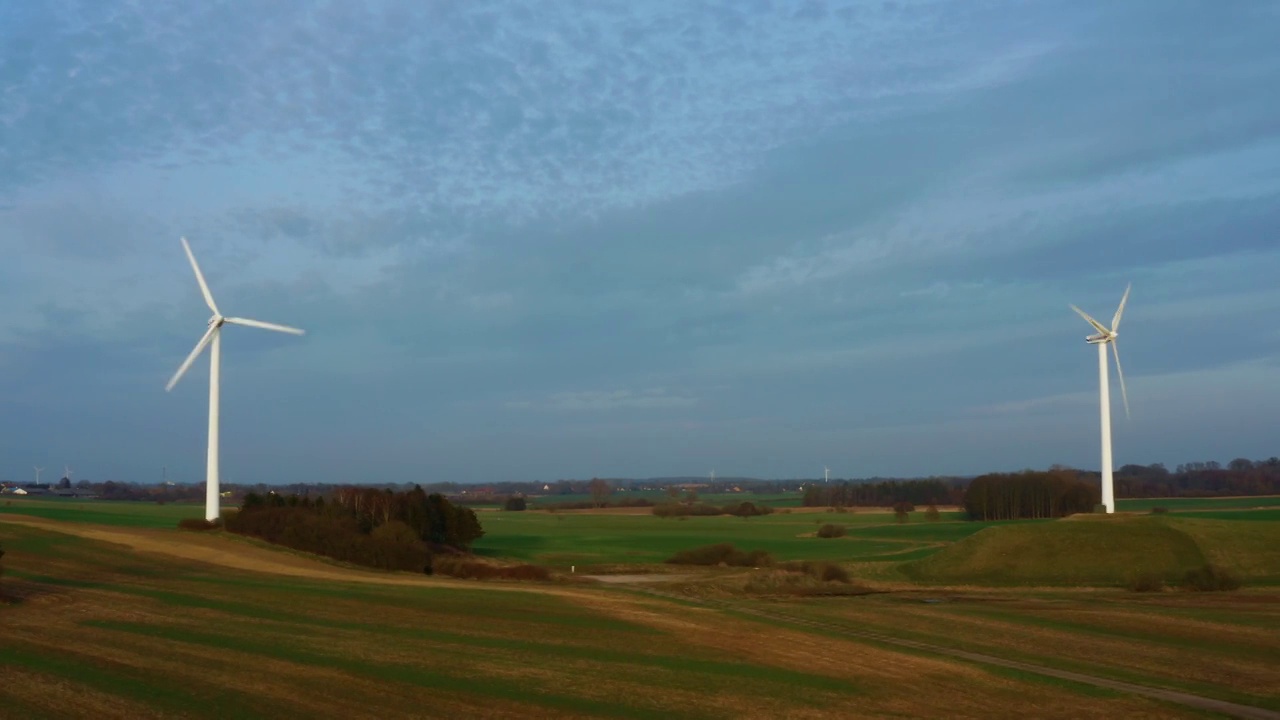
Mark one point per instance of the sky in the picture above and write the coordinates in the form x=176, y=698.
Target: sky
x=542, y=240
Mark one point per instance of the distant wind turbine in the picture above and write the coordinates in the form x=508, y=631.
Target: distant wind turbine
x=66, y=471
x=38, y=470
x=1104, y=337
x=213, y=339
x=826, y=474
x=713, y=476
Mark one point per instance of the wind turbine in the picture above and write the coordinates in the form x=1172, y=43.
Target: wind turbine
x=66, y=471
x=826, y=474
x=713, y=476
x=213, y=339
x=38, y=470
x=1104, y=337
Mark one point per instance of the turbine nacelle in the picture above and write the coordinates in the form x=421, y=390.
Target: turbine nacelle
x=215, y=323
x=1107, y=335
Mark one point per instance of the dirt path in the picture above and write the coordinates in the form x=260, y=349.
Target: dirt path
x=640, y=578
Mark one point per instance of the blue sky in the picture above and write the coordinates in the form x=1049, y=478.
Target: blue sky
x=567, y=239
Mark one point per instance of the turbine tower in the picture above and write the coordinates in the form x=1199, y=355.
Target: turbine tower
x=213, y=340
x=66, y=471
x=1104, y=337
x=826, y=474
x=38, y=470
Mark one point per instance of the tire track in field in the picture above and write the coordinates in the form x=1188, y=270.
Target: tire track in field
x=1247, y=712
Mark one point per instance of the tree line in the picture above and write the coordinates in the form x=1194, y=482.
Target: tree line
x=1241, y=476
x=367, y=526
x=884, y=493
x=1029, y=494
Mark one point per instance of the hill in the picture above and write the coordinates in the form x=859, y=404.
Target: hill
x=1100, y=550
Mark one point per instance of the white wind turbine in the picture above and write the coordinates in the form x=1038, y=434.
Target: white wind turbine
x=213, y=338
x=1102, y=339
x=826, y=474
x=38, y=471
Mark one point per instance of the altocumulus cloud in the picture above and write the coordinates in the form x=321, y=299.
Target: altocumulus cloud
x=635, y=238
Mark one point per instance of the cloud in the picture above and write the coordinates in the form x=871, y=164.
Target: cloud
x=831, y=229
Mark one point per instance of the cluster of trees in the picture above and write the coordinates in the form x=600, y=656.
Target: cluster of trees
x=1029, y=494
x=686, y=509
x=884, y=493
x=368, y=526
x=1241, y=476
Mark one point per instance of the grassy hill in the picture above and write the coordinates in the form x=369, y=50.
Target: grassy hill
x=1099, y=550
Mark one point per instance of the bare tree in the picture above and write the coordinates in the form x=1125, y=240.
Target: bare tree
x=599, y=489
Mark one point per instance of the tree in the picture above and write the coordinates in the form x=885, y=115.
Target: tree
x=599, y=489
x=1240, y=464
x=931, y=513
x=515, y=503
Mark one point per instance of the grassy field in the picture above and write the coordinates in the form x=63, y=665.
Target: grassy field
x=95, y=631
x=1096, y=550
x=592, y=539
x=1221, y=645
x=111, y=612
x=1192, y=504
x=104, y=512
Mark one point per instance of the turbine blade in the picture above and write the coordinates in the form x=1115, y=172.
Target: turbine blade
x=1115, y=349
x=1115, y=322
x=1097, y=325
x=182, y=369
x=204, y=287
x=266, y=326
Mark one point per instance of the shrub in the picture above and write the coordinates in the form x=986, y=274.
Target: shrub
x=831, y=531
x=931, y=513
x=467, y=567
x=515, y=503
x=1145, y=582
x=685, y=510
x=798, y=577
x=198, y=524
x=746, y=509
x=395, y=531
x=1211, y=578
x=721, y=553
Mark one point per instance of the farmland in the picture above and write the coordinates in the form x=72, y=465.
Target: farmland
x=112, y=612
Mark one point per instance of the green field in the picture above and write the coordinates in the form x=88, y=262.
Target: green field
x=1191, y=504
x=105, y=512
x=1095, y=550
x=568, y=538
